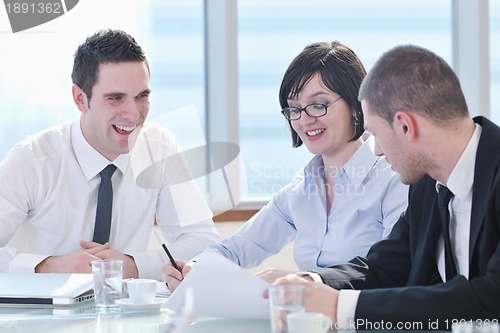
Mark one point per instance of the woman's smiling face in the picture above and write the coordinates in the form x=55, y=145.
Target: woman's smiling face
x=327, y=134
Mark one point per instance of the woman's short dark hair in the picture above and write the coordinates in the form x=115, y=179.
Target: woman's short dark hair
x=341, y=71
x=105, y=46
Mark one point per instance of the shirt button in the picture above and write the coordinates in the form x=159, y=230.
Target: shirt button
x=339, y=189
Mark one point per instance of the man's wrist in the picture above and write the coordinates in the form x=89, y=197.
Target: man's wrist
x=310, y=276
x=42, y=266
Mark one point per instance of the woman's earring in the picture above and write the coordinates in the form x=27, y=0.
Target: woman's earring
x=356, y=121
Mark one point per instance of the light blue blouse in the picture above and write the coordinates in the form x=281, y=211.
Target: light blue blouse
x=368, y=199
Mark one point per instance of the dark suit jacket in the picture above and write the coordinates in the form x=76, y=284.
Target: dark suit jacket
x=399, y=277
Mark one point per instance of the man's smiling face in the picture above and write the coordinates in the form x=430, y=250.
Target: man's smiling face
x=118, y=107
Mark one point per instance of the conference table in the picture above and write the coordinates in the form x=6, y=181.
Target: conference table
x=41, y=320
x=32, y=320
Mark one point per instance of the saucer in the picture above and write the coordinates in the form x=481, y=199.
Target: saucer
x=127, y=305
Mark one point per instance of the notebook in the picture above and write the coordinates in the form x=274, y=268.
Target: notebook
x=45, y=289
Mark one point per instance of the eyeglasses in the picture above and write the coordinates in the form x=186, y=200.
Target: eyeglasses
x=314, y=110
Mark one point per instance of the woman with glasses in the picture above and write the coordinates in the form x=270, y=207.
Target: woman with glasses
x=345, y=199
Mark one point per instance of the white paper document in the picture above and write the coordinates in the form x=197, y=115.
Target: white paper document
x=222, y=289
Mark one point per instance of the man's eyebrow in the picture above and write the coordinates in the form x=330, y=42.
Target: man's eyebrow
x=114, y=94
x=146, y=91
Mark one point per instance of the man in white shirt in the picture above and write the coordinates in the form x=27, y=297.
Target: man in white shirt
x=50, y=181
x=420, y=277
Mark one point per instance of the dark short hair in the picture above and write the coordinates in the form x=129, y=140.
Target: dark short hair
x=414, y=79
x=341, y=71
x=105, y=46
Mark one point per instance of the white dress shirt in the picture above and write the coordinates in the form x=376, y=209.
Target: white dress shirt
x=48, y=200
x=369, y=198
x=460, y=183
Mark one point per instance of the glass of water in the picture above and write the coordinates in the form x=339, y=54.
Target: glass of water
x=108, y=276
x=284, y=300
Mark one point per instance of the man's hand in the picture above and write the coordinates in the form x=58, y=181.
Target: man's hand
x=272, y=274
x=173, y=277
x=77, y=262
x=318, y=297
x=107, y=253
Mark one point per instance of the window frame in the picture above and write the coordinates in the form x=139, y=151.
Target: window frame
x=470, y=42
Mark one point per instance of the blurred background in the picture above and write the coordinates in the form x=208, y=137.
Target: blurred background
x=220, y=63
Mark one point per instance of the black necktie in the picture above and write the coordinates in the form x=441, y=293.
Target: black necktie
x=444, y=197
x=104, y=206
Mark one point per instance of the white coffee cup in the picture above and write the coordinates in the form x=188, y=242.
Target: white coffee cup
x=308, y=322
x=141, y=291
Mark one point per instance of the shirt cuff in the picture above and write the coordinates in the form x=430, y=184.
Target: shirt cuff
x=346, y=308
x=25, y=262
x=314, y=276
x=148, y=264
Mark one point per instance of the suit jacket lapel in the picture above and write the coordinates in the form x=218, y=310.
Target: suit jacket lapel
x=425, y=271
x=433, y=234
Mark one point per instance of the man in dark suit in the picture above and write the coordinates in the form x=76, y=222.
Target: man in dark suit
x=420, y=277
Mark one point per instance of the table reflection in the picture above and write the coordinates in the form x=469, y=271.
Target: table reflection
x=26, y=320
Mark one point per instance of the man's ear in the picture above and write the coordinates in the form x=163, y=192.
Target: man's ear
x=80, y=98
x=406, y=124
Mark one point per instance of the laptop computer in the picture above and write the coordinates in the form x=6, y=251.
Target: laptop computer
x=45, y=289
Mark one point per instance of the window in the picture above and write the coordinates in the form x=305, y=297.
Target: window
x=35, y=83
x=35, y=76
x=494, y=20
x=272, y=33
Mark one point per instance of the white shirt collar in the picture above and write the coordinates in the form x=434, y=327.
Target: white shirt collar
x=360, y=164
x=89, y=159
x=462, y=176
x=356, y=168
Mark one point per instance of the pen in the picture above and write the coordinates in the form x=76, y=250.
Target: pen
x=160, y=238
x=170, y=257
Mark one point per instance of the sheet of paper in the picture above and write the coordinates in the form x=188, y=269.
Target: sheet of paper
x=222, y=289
x=161, y=290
